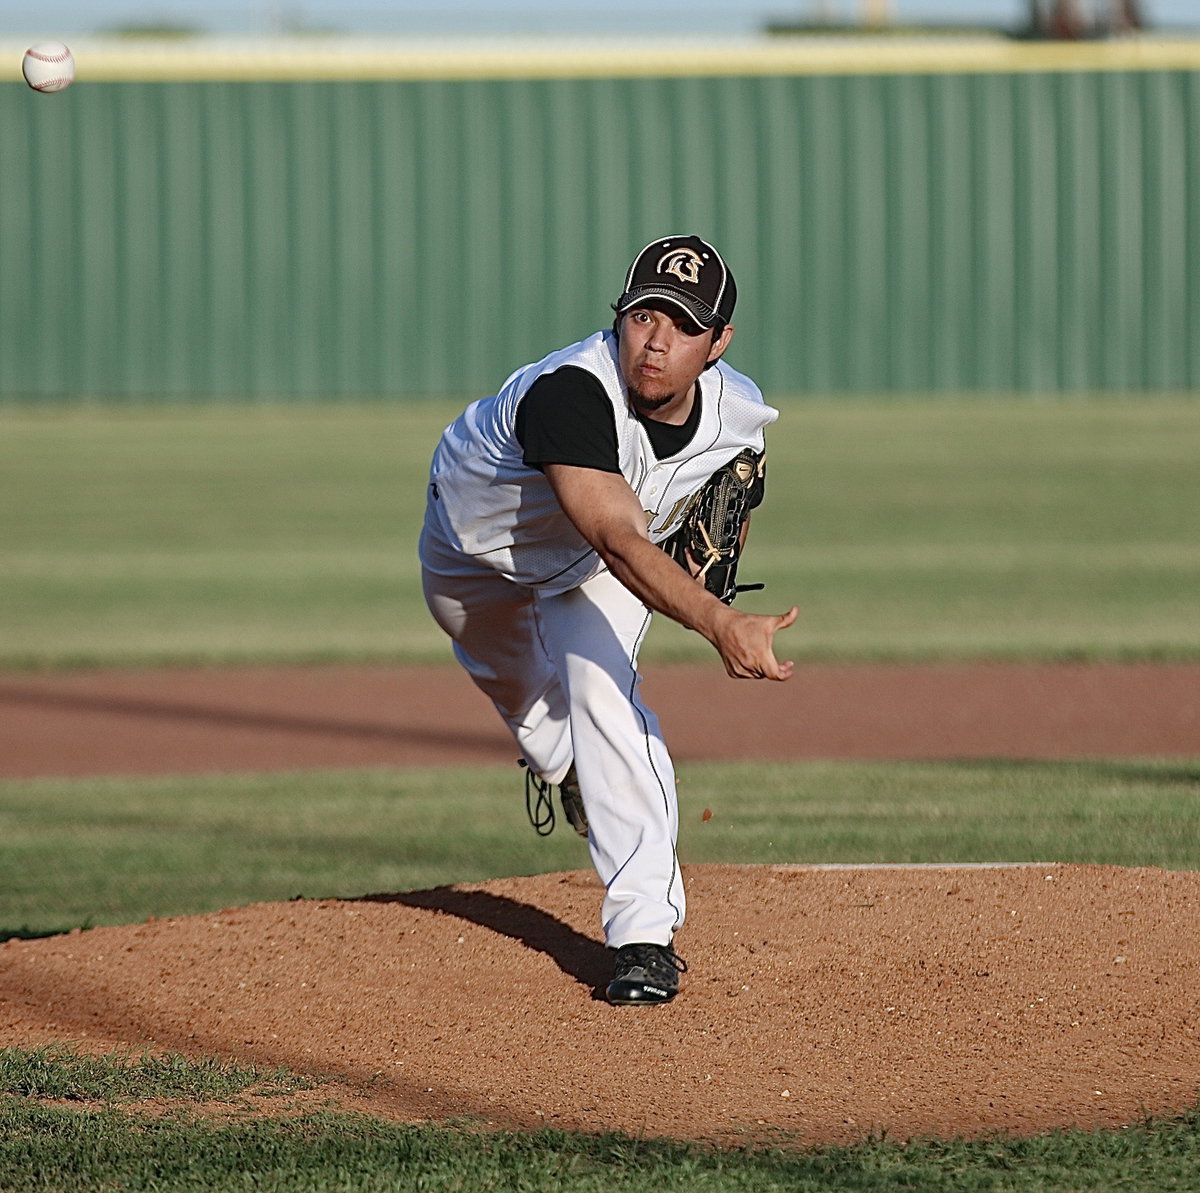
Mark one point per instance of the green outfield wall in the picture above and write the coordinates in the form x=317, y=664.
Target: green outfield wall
x=1019, y=222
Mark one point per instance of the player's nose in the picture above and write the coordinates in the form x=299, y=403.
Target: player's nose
x=659, y=339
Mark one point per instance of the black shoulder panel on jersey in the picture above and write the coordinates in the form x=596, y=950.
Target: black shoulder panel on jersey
x=566, y=418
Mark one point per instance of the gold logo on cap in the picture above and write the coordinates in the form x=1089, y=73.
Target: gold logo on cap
x=683, y=263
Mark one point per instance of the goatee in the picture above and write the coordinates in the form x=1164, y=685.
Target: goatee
x=641, y=402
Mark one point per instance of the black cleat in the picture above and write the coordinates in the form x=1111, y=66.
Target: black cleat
x=645, y=975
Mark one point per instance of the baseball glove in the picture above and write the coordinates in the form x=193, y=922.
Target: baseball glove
x=709, y=541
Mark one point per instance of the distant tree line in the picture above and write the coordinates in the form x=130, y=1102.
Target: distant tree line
x=1048, y=19
x=1074, y=19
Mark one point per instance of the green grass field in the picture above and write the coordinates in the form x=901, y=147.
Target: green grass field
x=1005, y=528
x=921, y=529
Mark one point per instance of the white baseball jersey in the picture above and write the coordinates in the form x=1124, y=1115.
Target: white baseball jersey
x=495, y=507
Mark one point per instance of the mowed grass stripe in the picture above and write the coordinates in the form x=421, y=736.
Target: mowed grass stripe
x=877, y=557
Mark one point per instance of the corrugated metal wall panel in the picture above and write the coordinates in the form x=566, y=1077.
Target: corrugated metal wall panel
x=282, y=239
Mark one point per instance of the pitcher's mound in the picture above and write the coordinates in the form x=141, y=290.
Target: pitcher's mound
x=821, y=1004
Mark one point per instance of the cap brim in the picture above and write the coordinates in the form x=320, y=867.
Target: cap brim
x=700, y=314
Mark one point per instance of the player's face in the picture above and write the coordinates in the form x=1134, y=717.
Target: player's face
x=662, y=353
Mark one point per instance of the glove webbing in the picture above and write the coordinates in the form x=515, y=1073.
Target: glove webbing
x=712, y=527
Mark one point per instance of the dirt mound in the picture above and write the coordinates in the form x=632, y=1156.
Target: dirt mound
x=821, y=1004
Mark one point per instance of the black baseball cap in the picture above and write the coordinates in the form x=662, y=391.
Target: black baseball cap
x=686, y=272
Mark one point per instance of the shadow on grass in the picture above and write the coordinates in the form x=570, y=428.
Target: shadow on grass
x=453, y=739
x=27, y=933
x=578, y=956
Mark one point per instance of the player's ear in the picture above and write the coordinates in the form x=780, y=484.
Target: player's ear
x=720, y=343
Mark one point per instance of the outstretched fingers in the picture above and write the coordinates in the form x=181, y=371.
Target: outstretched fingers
x=749, y=649
x=781, y=671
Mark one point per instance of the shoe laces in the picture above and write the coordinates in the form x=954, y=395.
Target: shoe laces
x=655, y=959
x=539, y=806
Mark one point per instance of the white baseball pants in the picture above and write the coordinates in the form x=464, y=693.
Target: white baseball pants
x=562, y=672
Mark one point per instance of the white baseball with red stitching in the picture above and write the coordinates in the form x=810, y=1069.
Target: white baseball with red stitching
x=48, y=66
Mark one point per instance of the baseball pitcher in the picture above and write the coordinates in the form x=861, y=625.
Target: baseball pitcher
x=609, y=481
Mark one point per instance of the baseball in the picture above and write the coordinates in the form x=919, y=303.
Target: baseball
x=48, y=66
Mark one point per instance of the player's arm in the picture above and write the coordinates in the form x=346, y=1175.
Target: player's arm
x=607, y=512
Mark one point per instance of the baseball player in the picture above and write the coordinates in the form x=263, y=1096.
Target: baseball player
x=547, y=507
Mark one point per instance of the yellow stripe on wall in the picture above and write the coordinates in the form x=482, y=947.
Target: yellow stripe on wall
x=344, y=59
